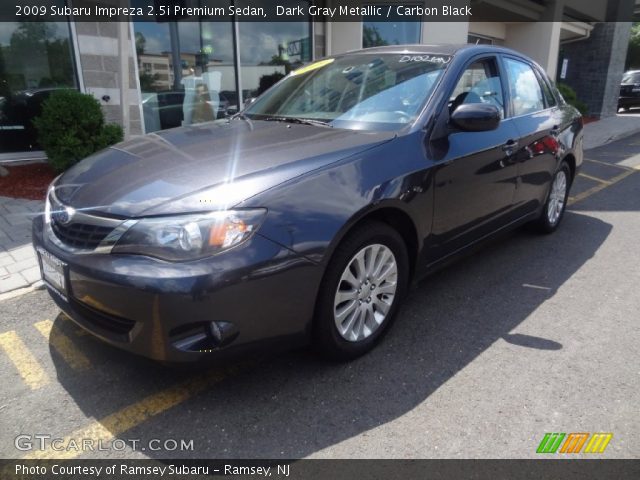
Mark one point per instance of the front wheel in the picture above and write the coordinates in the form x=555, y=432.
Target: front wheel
x=361, y=291
x=556, y=203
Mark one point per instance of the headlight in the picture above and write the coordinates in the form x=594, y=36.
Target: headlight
x=188, y=237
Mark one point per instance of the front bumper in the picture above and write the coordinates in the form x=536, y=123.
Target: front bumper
x=258, y=292
x=629, y=101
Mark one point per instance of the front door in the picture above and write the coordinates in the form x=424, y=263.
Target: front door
x=476, y=175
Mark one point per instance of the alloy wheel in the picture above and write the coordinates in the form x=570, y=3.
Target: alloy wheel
x=365, y=292
x=557, y=197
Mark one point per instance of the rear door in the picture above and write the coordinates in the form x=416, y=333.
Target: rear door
x=539, y=121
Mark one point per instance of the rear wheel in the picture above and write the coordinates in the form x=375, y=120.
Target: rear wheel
x=364, y=284
x=556, y=203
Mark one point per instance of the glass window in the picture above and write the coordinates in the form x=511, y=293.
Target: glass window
x=526, y=94
x=633, y=77
x=186, y=68
x=369, y=92
x=549, y=98
x=270, y=50
x=397, y=30
x=479, y=83
x=36, y=58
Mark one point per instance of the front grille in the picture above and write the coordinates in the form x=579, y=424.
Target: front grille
x=80, y=235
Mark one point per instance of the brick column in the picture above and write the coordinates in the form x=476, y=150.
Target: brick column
x=596, y=64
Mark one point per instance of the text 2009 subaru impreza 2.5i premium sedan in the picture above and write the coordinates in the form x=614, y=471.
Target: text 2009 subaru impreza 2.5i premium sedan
x=305, y=218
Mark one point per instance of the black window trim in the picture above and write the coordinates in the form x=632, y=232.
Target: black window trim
x=543, y=80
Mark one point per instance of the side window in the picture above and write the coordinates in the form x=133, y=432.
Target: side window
x=526, y=94
x=479, y=83
x=549, y=99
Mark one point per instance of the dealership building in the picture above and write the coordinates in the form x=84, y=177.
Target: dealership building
x=151, y=75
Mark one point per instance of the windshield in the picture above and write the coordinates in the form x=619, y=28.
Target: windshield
x=363, y=91
x=631, y=78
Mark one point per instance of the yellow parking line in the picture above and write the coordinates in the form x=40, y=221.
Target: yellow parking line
x=109, y=427
x=595, y=179
x=26, y=364
x=598, y=188
x=622, y=167
x=63, y=345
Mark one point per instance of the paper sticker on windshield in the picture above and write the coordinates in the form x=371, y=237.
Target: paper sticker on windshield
x=313, y=66
x=442, y=59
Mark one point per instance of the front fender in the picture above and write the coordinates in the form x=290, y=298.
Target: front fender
x=313, y=214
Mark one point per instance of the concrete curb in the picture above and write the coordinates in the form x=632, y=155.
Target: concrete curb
x=609, y=130
x=39, y=285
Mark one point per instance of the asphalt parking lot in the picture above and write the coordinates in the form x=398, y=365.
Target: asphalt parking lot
x=533, y=334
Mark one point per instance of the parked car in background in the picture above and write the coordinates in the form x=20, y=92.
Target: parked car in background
x=305, y=217
x=630, y=90
x=17, y=111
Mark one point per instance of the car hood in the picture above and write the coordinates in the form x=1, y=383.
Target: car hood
x=204, y=167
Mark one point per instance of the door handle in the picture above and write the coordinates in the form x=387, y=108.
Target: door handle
x=509, y=147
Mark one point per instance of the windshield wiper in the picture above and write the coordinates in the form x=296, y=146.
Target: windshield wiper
x=301, y=121
x=241, y=116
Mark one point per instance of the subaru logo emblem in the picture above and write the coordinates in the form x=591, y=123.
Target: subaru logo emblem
x=63, y=215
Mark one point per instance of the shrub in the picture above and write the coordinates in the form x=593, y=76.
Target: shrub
x=72, y=127
x=570, y=96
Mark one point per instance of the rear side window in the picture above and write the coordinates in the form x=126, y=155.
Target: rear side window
x=526, y=94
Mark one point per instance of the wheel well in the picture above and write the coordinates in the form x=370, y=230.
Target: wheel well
x=571, y=160
x=402, y=223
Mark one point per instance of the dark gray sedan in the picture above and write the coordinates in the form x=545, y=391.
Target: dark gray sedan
x=305, y=217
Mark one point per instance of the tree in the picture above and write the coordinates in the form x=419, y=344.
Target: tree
x=633, y=52
x=267, y=81
x=148, y=81
x=35, y=46
x=141, y=43
x=371, y=37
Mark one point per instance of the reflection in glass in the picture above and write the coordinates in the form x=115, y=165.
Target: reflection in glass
x=526, y=95
x=398, y=30
x=364, y=92
x=36, y=58
x=270, y=50
x=187, y=73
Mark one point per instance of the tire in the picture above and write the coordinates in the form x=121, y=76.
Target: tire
x=341, y=303
x=556, y=204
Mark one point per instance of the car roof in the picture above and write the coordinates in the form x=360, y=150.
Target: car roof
x=448, y=49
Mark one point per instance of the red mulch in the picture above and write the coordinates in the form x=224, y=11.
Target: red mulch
x=587, y=119
x=27, y=181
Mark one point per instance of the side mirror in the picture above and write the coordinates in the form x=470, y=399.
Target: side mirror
x=476, y=117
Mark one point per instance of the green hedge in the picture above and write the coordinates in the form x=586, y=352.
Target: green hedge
x=571, y=97
x=72, y=127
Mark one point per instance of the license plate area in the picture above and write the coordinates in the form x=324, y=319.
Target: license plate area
x=53, y=272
